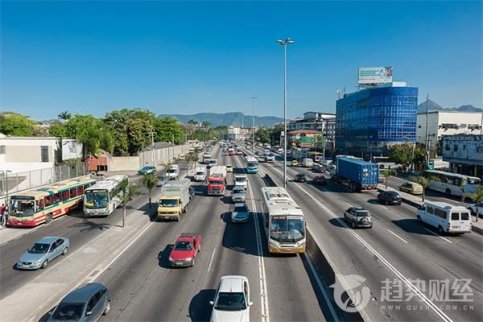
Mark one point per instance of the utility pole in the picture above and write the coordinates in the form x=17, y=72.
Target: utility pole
x=253, y=98
x=152, y=145
x=427, y=124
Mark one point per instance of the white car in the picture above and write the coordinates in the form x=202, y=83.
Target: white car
x=241, y=180
x=476, y=207
x=232, y=300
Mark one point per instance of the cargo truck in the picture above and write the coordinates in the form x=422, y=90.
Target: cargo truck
x=174, y=199
x=357, y=174
x=217, y=180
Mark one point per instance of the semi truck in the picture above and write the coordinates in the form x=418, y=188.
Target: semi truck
x=174, y=199
x=217, y=180
x=357, y=174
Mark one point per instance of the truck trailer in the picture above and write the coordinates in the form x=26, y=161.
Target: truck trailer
x=357, y=174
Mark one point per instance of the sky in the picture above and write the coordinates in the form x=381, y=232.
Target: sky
x=187, y=57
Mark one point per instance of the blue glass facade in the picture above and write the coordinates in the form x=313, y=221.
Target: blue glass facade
x=370, y=119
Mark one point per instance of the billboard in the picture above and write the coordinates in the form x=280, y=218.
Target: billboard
x=71, y=149
x=375, y=75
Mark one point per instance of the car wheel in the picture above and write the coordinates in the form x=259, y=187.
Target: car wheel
x=44, y=264
x=419, y=219
x=107, y=309
x=48, y=219
x=353, y=225
x=65, y=251
x=440, y=230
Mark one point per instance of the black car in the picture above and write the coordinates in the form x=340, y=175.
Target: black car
x=319, y=180
x=86, y=303
x=389, y=197
x=300, y=177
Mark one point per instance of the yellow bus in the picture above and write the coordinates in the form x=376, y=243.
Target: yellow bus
x=40, y=205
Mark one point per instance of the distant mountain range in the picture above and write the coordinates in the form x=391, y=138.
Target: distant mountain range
x=433, y=106
x=227, y=119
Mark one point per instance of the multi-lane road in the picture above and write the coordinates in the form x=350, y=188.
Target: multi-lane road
x=398, y=260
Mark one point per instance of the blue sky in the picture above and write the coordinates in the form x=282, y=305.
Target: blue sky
x=196, y=56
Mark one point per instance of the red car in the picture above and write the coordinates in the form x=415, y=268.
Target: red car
x=185, y=249
x=319, y=180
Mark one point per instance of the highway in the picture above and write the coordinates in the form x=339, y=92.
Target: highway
x=396, y=249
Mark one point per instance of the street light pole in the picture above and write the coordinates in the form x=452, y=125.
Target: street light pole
x=253, y=98
x=284, y=43
x=152, y=145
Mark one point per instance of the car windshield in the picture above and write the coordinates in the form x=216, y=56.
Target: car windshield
x=362, y=213
x=230, y=302
x=216, y=181
x=68, y=311
x=168, y=202
x=171, y=170
x=238, y=190
x=240, y=209
x=199, y=173
x=183, y=245
x=39, y=248
x=240, y=179
x=287, y=230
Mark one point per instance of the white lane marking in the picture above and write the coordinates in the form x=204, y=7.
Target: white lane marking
x=383, y=207
x=92, y=278
x=211, y=260
x=403, y=278
x=397, y=235
x=435, y=234
x=324, y=292
x=261, y=263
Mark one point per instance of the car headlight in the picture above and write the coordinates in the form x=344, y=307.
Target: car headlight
x=171, y=259
x=189, y=259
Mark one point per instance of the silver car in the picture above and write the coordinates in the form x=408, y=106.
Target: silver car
x=42, y=252
x=240, y=213
x=238, y=194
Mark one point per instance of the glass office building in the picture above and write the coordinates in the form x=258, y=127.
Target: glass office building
x=369, y=120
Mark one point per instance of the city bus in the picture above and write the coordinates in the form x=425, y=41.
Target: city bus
x=452, y=184
x=284, y=222
x=252, y=164
x=105, y=196
x=40, y=205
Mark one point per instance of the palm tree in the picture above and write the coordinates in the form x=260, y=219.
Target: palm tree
x=64, y=116
x=128, y=191
x=478, y=197
x=193, y=122
x=149, y=181
x=206, y=124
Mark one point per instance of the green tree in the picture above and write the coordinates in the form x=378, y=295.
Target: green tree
x=128, y=191
x=131, y=128
x=64, y=116
x=168, y=127
x=401, y=154
x=91, y=132
x=149, y=181
x=478, y=197
x=193, y=122
x=14, y=124
x=58, y=130
x=192, y=158
x=262, y=135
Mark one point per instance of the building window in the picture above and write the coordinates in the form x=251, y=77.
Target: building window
x=2, y=149
x=479, y=149
x=455, y=147
x=44, y=153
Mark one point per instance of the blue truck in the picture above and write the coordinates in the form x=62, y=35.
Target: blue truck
x=357, y=174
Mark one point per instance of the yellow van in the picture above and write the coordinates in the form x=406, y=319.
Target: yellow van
x=412, y=188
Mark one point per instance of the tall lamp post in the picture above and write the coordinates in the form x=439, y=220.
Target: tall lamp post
x=253, y=98
x=285, y=43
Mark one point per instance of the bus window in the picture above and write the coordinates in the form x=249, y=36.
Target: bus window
x=73, y=192
x=80, y=190
x=57, y=197
x=65, y=195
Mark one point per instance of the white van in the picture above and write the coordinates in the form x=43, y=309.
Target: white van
x=307, y=162
x=173, y=172
x=447, y=218
x=200, y=174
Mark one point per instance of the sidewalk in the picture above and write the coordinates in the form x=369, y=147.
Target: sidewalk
x=416, y=201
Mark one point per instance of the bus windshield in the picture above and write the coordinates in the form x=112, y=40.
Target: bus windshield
x=21, y=208
x=283, y=229
x=96, y=199
x=252, y=164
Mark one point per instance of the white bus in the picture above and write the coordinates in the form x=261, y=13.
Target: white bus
x=284, y=222
x=447, y=218
x=252, y=164
x=452, y=184
x=104, y=197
